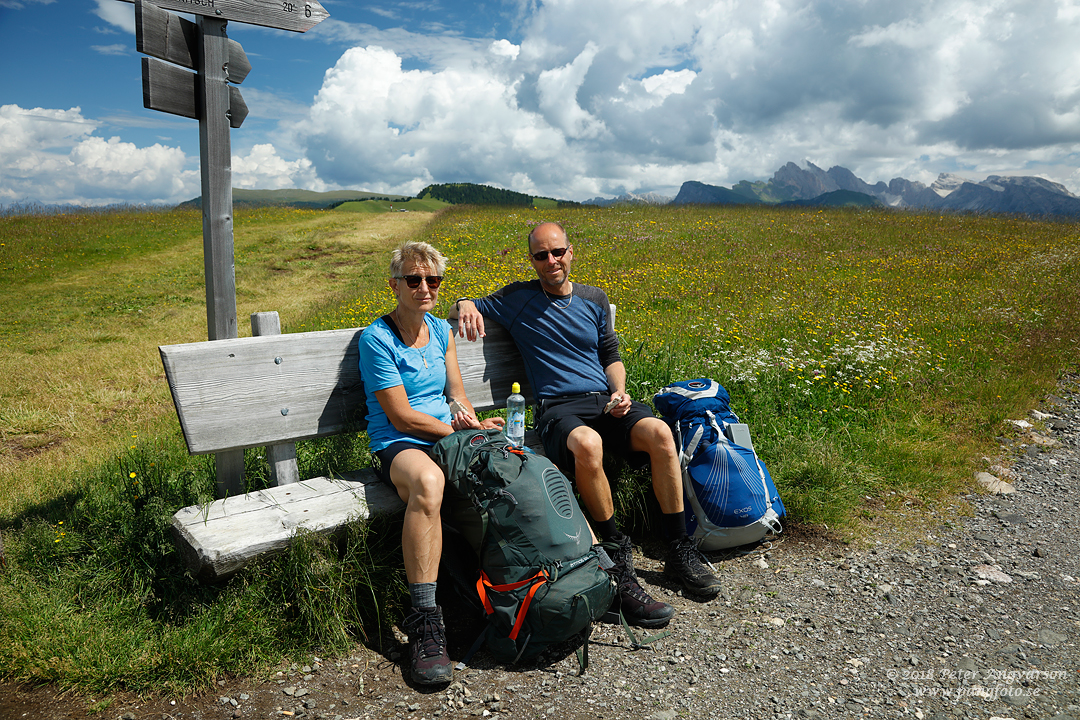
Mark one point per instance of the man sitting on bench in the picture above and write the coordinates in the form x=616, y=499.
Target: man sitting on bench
x=572, y=359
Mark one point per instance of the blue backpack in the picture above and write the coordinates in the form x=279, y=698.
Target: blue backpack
x=730, y=496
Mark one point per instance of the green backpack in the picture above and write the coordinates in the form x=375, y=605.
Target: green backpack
x=540, y=581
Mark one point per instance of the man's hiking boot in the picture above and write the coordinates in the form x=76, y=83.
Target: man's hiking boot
x=686, y=564
x=428, y=662
x=621, y=552
x=638, y=607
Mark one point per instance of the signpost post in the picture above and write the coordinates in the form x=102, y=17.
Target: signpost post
x=210, y=96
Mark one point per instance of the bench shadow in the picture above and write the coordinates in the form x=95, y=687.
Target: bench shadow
x=346, y=408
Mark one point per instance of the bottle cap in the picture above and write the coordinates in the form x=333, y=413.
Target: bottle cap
x=516, y=388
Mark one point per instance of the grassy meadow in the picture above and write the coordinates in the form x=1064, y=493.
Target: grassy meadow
x=875, y=355
x=85, y=299
x=382, y=206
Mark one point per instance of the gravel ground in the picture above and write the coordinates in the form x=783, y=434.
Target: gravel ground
x=974, y=614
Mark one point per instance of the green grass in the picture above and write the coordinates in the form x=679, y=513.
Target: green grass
x=310, y=197
x=377, y=206
x=85, y=300
x=96, y=599
x=103, y=628
x=875, y=355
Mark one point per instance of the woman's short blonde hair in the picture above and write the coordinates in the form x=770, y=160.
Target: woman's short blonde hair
x=420, y=253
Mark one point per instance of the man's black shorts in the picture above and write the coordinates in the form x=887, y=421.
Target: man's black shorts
x=558, y=417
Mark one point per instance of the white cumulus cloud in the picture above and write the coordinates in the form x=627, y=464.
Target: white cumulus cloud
x=644, y=94
x=53, y=156
x=117, y=14
x=263, y=169
x=374, y=124
x=117, y=49
x=594, y=97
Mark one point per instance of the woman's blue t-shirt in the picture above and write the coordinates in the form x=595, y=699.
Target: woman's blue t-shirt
x=386, y=362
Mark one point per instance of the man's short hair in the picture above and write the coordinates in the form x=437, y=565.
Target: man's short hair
x=547, y=222
x=421, y=253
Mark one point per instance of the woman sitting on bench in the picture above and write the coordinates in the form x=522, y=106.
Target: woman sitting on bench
x=408, y=362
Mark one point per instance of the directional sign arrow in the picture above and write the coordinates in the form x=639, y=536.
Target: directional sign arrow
x=239, y=66
x=295, y=15
x=167, y=88
x=238, y=109
x=170, y=37
x=165, y=36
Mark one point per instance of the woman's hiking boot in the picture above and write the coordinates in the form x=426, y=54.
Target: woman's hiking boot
x=686, y=564
x=429, y=664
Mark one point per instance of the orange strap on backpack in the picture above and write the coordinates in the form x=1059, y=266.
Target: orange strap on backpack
x=484, y=583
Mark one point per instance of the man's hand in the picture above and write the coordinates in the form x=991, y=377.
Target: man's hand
x=470, y=321
x=619, y=405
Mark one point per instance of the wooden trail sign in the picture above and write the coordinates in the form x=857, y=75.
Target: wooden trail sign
x=210, y=96
x=215, y=153
x=169, y=89
x=171, y=38
x=295, y=15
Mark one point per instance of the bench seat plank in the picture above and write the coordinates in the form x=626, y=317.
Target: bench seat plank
x=217, y=539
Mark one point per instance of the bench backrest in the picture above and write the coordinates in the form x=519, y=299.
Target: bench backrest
x=248, y=392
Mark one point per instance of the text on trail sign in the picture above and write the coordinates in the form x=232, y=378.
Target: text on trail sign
x=298, y=15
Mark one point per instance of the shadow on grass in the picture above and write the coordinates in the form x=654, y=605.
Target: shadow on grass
x=95, y=597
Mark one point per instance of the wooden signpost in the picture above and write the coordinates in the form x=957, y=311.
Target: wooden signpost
x=210, y=96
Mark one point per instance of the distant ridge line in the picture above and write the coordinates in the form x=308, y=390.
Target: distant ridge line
x=452, y=193
x=839, y=187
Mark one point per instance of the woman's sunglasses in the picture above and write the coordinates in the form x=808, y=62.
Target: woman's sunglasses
x=413, y=281
x=543, y=254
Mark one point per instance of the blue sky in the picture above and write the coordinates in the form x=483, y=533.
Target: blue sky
x=568, y=98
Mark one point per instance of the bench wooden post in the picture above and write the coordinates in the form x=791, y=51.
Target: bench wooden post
x=282, y=457
x=230, y=473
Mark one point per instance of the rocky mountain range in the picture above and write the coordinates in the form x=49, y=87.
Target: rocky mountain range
x=631, y=199
x=811, y=185
x=995, y=194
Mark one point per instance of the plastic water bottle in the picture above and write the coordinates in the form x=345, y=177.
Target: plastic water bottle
x=515, y=416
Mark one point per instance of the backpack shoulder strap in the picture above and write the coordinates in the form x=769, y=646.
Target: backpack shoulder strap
x=393, y=327
x=688, y=453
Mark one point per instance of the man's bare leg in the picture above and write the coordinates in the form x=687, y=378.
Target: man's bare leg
x=636, y=605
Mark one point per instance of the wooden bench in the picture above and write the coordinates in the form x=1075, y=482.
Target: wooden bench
x=272, y=390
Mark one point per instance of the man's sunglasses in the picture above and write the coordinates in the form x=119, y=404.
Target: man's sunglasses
x=413, y=281
x=543, y=254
